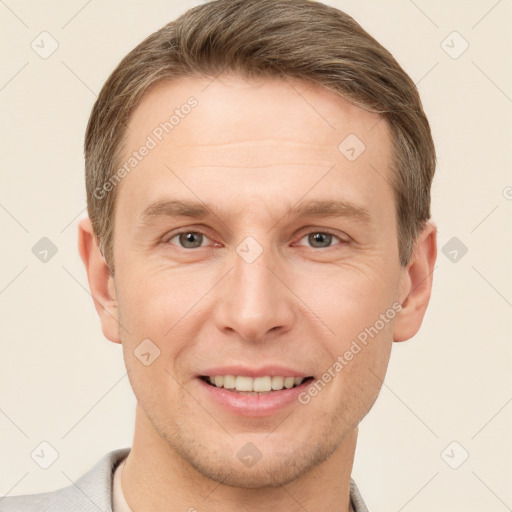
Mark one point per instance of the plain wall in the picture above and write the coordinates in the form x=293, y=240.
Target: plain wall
x=62, y=382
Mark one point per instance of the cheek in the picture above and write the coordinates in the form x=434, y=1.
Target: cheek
x=359, y=367
x=350, y=298
x=156, y=299
x=162, y=305
x=357, y=305
x=154, y=338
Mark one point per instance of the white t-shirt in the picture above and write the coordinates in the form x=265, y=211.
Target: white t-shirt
x=118, y=501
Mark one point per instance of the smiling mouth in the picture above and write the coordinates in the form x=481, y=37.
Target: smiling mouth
x=254, y=386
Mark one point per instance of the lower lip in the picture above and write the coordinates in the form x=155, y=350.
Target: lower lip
x=265, y=404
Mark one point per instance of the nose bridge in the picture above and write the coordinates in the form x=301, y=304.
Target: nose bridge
x=254, y=300
x=253, y=282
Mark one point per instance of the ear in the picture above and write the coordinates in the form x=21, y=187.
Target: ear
x=101, y=283
x=416, y=284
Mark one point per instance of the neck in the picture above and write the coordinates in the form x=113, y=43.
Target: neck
x=157, y=478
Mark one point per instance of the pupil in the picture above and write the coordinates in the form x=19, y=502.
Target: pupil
x=187, y=240
x=319, y=238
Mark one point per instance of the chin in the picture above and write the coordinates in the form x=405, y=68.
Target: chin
x=277, y=465
x=270, y=473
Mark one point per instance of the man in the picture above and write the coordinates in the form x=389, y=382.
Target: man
x=258, y=180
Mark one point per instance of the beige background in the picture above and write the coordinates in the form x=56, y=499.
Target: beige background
x=63, y=383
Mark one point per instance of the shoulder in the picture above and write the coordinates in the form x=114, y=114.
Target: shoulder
x=91, y=492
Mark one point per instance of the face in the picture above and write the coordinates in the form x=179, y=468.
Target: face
x=250, y=247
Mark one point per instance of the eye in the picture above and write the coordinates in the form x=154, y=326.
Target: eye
x=189, y=239
x=321, y=239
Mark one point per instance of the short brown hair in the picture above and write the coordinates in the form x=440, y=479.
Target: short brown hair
x=298, y=39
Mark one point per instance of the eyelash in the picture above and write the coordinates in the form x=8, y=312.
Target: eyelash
x=315, y=231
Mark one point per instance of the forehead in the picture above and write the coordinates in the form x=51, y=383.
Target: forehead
x=264, y=108
x=265, y=136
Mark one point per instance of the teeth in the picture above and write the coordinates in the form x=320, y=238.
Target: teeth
x=277, y=383
x=289, y=382
x=229, y=381
x=243, y=383
x=262, y=384
x=257, y=384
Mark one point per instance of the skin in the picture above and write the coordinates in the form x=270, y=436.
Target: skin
x=252, y=150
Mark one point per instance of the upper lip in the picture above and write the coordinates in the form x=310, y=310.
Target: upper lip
x=262, y=371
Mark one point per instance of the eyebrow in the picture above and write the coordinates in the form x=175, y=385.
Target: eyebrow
x=330, y=209
x=199, y=210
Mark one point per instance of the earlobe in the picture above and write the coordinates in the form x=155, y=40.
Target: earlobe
x=416, y=284
x=101, y=283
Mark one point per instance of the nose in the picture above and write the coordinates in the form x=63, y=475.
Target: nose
x=255, y=300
